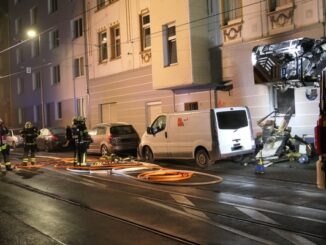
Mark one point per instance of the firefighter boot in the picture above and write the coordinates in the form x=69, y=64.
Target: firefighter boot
x=33, y=160
x=8, y=166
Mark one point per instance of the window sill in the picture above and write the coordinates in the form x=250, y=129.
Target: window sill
x=103, y=62
x=172, y=64
x=115, y=58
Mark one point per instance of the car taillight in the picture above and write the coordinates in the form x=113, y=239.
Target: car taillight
x=54, y=138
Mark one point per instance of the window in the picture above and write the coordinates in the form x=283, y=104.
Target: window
x=36, y=80
x=20, y=115
x=78, y=28
x=18, y=25
x=54, y=39
x=103, y=46
x=274, y=4
x=35, y=47
x=115, y=42
x=170, y=45
x=18, y=55
x=145, y=31
x=58, y=111
x=20, y=85
x=284, y=101
x=159, y=124
x=100, y=4
x=232, y=9
x=33, y=15
x=55, y=74
x=226, y=119
x=17, y=1
x=35, y=114
x=191, y=106
x=79, y=67
x=81, y=107
x=52, y=6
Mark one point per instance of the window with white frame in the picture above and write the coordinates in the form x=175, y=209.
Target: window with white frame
x=275, y=4
x=36, y=80
x=79, y=67
x=35, y=114
x=58, y=111
x=33, y=15
x=35, y=47
x=145, y=24
x=18, y=55
x=81, y=107
x=103, y=46
x=52, y=6
x=77, y=28
x=20, y=115
x=115, y=42
x=232, y=10
x=18, y=25
x=55, y=74
x=170, y=44
x=54, y=39
x=20, y=85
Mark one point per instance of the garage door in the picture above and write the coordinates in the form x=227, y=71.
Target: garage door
x=109, y=113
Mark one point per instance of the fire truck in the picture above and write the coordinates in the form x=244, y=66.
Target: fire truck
x=297, y=63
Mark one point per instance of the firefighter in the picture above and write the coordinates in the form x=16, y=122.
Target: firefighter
x=81, y=140
x=4, y=147
x=29, y=134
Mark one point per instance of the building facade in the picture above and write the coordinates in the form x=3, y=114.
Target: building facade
x=49, y=79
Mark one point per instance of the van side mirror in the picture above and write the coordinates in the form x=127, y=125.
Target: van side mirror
x=149, y=130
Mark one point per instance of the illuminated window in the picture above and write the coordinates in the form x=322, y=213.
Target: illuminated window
x=54, y=39
x=170, y=44
x=18, y=25
x=52, y=6
x=33, y=15
x=36, y=80
x=78, y=28
x=191, y=106
x=145, y=25
x=103, y=46
x=55, y=74
x=115, y=42
x=79, y=67
x=232, y=9
x=20, y=85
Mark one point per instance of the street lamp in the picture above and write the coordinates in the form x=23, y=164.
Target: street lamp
x=31, y=33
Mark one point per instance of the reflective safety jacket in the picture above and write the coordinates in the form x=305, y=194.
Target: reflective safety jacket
x=29, y=135
x=3, y=136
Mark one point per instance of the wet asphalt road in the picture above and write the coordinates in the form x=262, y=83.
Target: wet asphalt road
x=56, y=206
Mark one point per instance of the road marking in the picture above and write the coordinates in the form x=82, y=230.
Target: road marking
x=293, y=238
x=183, y=200
x=227, y=228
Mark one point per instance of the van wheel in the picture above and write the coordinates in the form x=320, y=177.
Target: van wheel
x=148, y=155
x=201, y=158
x=104, y=150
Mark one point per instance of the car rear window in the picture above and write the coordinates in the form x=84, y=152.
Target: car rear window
x=232, y=119
x=58, y=131
x=122, y=130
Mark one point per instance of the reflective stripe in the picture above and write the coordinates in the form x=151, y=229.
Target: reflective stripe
x=25, y=159
x=33, y=159
x=7, y=163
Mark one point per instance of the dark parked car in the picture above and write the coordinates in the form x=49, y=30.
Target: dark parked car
x=51, y=139
x=116, y=138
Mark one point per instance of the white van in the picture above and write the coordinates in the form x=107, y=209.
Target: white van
x=205, y=136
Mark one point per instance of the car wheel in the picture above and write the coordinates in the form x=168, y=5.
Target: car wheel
x=104, y=150
x=201, y=158
x=148, y=155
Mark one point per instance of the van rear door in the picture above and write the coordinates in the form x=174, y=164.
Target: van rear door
x=234, y=131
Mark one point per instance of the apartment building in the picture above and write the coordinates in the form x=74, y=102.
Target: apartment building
x=48, y=75
x=5, y=104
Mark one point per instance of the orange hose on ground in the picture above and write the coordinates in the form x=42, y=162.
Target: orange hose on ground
x=166, y=175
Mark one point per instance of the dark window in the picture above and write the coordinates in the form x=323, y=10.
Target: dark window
x=53, y=6
x=232, y=119
x=103, y=46
x=284, y=101
x=78, y=28
x=122, y=130
x=191, y=106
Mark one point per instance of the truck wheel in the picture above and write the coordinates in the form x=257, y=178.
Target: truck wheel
x=148, y=155
x=104, y=150
x=201, y=158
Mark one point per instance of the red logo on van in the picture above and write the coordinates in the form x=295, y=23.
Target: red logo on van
x=180, y=122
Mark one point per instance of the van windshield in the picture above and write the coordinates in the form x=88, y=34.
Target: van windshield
x=122, y=130
x=232, y=119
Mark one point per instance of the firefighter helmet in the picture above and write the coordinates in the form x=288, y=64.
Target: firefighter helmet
x=79, y=120
x=28, y=124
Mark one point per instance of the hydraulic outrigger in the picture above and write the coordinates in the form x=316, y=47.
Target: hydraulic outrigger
x=297, y=63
